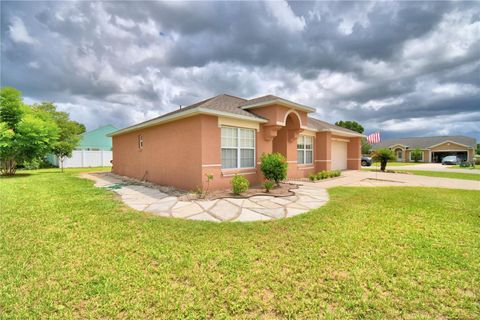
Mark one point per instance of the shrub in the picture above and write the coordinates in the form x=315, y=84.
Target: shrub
x=312, y=177
x=239, y=184
x=321, y=175
x=337, y=173
x=274, y=166
x=383, y=156
x=268, y=185
x=417, y=154
x=32, y=164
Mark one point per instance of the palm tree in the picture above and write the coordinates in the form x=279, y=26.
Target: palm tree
x=383, y=155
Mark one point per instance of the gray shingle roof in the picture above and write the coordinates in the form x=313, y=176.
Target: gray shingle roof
x=425, y=142
x=322, y=125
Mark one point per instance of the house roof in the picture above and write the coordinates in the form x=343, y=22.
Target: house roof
x=261, y=101
x=325, y=126
x=425, y=142
x=227, y=105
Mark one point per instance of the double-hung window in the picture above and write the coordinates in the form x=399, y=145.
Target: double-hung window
x=238, y=148
x=305, y=150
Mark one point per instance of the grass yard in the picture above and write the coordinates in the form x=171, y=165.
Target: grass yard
x=69, y=250
x=442, y=174
x=458, y=167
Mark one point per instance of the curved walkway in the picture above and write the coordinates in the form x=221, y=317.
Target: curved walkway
x=255, y=208
x=309, y=195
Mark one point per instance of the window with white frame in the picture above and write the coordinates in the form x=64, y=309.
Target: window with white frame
x=305, y=150
x=238, y=148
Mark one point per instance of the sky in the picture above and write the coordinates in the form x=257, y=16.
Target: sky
x=401, y=68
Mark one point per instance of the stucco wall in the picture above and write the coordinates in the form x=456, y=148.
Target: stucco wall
x=449, y=146
x=171, y=154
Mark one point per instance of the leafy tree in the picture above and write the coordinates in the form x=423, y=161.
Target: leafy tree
x=32, y=139
x=383, y=156
x=274, y=166
x=10, y=107
x=366, y=147
x=69, y=130
x=417, y=154
x=23, y=135
x=478, y=148
x=352, y=125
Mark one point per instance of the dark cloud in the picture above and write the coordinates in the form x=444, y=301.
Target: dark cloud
x=386, y=65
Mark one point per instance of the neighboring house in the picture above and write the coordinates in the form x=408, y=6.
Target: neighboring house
x=434, y=149
x=226, y=135
x=93, y=150
x=97, y=139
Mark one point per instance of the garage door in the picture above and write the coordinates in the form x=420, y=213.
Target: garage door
x=339, y=155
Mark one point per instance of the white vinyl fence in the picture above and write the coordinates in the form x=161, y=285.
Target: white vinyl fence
x=84, y=158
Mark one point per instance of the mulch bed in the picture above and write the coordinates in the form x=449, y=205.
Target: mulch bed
x=278, y=191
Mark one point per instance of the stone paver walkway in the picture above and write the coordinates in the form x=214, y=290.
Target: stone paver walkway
x=255, y=208
x=309, y=195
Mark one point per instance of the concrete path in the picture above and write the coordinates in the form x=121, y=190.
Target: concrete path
x=379, y=179
x=309, y=195
x=255, y=208
x=429, y=167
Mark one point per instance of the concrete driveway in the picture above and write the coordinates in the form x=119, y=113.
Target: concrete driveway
x=380, y=179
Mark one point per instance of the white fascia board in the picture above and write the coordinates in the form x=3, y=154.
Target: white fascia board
x=180, y=115
x=345, y=134
x=449, y=141
x=281, y=101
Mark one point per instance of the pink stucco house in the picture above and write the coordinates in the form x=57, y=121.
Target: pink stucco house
x=226, y=135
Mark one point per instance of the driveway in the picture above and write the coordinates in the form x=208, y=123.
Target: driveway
x=380, y=179
x=309, y=195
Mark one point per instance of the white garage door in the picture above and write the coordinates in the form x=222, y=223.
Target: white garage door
x=339, y=155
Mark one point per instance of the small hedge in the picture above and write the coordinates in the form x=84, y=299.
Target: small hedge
x=240, y=184
x=324, y=175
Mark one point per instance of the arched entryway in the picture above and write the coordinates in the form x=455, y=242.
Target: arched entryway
x=285, y=141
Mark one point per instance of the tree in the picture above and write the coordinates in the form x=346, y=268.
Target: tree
x=10, y=107
x=416, y=154
x=366, y=147
x=478, y=148
x=69, y=130
x=274, y=166
x=23, y=135
x=352, y=125
x=383, y=156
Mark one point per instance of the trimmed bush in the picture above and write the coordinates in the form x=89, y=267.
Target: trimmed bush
x=268, y=185
x=326, y=174
x=239, y=184
x=274, y=167
x=312, y=177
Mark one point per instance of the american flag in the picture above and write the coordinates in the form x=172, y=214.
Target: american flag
x=374, y=138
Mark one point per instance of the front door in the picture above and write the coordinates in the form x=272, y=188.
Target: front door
x=399, y=155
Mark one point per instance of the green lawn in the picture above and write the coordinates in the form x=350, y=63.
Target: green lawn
x=458, y=167
x=69, y=250
x=441, y=174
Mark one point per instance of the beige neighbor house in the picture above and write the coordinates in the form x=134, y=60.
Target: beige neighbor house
x=226, y=135
x=434, y=149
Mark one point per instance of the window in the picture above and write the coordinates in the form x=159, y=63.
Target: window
x=140, y=142
x=411, y=158
x=305, y=150
x=238, y=148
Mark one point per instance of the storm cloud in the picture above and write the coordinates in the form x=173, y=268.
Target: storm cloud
x=404, y=68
